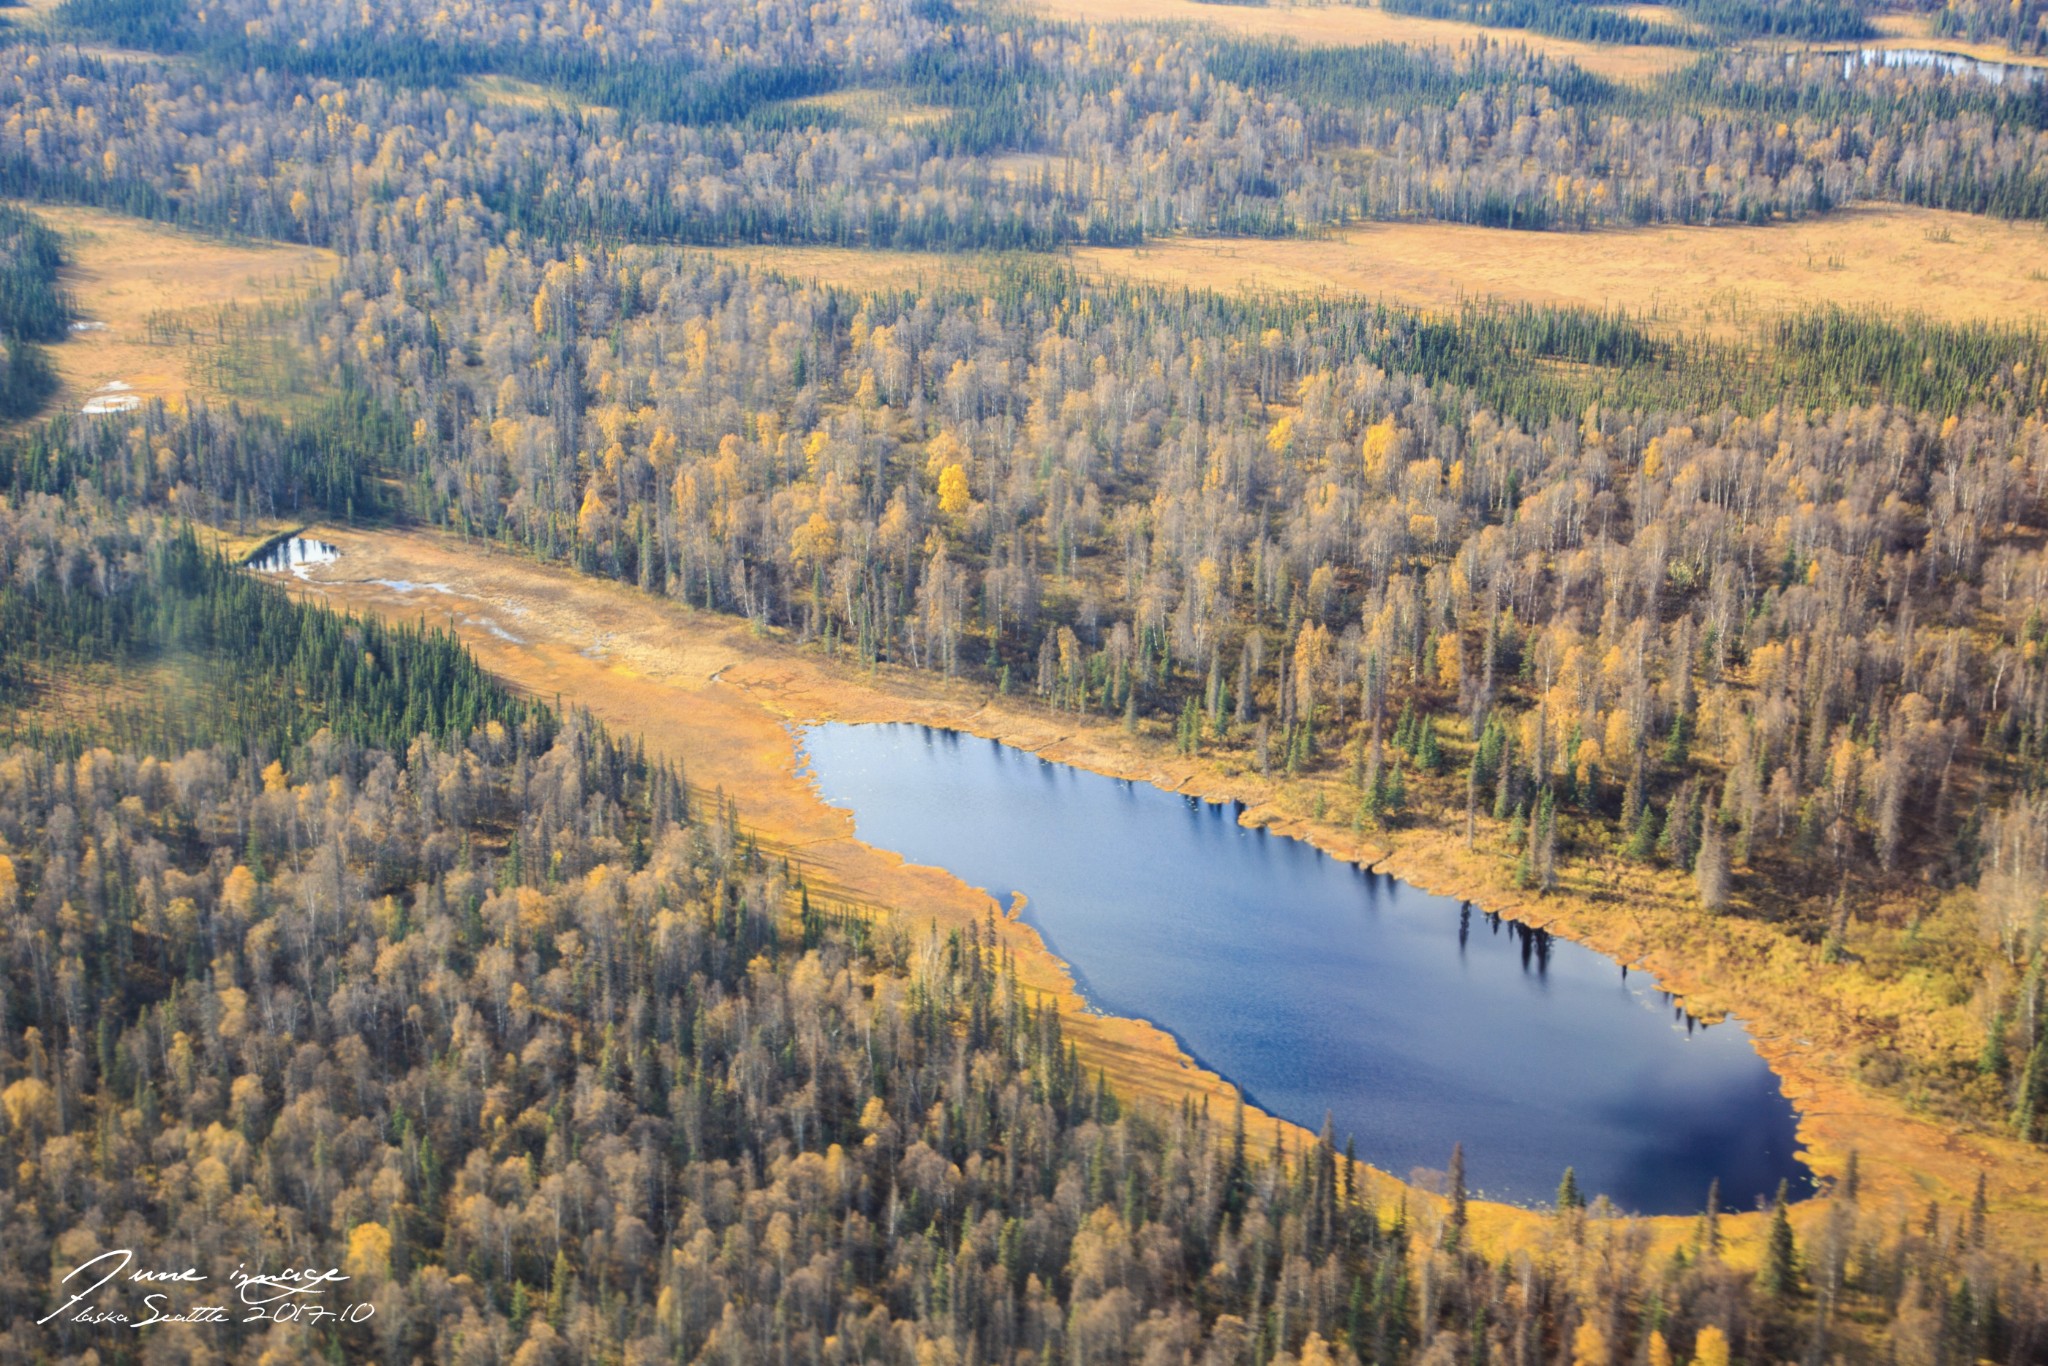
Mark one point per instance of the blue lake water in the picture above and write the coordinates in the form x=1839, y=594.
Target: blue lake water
x=1415, y=1021
x=1947, y=63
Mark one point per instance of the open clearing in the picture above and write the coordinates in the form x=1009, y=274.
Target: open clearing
x=1948, y=265
x=706, y=690
x=861, y=269
x=506, y=90
x=1342, y=25
x=1951, y=266
x=871, y=107
x=1669, y=15
x=124, y=273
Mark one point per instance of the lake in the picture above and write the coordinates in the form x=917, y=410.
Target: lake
x=1416, y=1021
x=1947, y=63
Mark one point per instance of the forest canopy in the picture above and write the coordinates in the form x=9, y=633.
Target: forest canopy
x=324, y=944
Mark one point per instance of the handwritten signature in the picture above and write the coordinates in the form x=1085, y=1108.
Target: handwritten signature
x=288, y=1296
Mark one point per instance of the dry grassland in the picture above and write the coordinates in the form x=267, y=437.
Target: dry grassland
x=705, y=690
x=858, y=268
x=1948, y=265
x=124, y=272
x=874, y=108
x=528, y=95
x=1951, y=266
x=1340, y=25
x=1668, y=15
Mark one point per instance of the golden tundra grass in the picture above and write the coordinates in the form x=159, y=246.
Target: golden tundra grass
x=859, y=268
x=518, y=94
x=886, y=108
x=1669, y=15
x=1951, y=266
x=123, y=272
x=1335, y=25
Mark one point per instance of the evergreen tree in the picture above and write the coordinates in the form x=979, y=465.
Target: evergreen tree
x=1779, y=1275
x=1980, y=1213
x=1678, y=744
x=1642, y=840
x=2031, y=1111
x=1455, y=1215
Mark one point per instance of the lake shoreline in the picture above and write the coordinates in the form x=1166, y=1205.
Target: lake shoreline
x=1319, y=987
x=665, y=647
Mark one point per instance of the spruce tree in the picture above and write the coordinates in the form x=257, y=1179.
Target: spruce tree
x=1454, y=1220
x=1543, y=841
x=1429, y=756
x=1993, y=1062
x=2027, y=1114
x=1779, y=1276
x=1980, y=1213
x=1642, y=841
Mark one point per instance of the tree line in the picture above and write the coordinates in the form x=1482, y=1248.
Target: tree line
x=33, y=310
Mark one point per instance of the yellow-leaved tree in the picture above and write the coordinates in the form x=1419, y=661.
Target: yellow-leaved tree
x=369, y=1252
x=815, y=542
x=1377, y=450
x=28, y=1102
x=1450, y=659
x=954, y=498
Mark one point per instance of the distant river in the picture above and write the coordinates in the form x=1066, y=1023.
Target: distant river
x=1416, y=1021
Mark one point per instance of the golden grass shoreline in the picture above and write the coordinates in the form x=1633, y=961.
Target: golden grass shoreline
x=704, y=689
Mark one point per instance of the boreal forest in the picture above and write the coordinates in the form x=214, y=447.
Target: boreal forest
x=1171, y=382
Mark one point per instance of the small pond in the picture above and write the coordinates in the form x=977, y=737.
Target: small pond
x=1947, y=63
x=293, y=555
x=1416, y=1021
